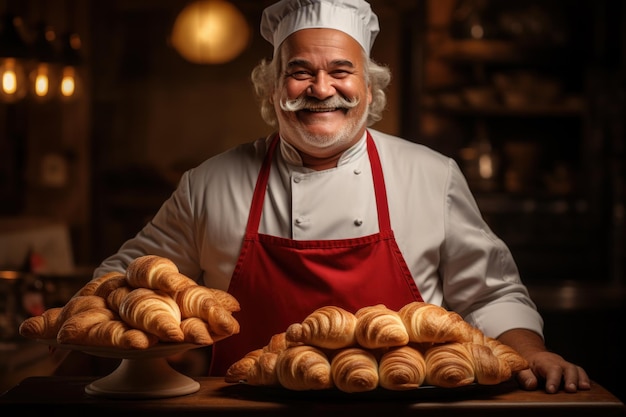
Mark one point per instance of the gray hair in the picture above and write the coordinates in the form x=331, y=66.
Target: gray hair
x=266, y=74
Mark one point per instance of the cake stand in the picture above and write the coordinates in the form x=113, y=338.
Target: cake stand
x=142, y=373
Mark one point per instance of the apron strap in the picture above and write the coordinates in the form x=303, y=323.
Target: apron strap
x=258, y=197
x=384, y=224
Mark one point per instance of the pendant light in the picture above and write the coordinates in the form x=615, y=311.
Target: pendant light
x=44, y=76
x=71, y=82
x=210, y=32
x=13, y=55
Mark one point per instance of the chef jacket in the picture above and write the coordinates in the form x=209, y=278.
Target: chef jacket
x=455, y=259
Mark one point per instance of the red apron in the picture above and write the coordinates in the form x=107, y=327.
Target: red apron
x=280, y=281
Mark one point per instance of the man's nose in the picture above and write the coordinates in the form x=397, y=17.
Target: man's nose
x=321, y=86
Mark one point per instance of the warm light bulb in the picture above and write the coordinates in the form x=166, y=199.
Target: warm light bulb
x=9, y=82
x=12, y=80
x=68, y=82
x=41, y=81
x=41, y=85
x=210, y=32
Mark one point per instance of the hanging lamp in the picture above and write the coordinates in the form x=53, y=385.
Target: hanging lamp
x=210, y=32
x=13, y=56
x=44, y=75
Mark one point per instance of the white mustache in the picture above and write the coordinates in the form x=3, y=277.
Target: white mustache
x=312, y=104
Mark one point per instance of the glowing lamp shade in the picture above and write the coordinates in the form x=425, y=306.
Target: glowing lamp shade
x=13, y=80
x=210, y=32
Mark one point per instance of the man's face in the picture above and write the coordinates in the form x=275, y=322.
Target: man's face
x=321, y=66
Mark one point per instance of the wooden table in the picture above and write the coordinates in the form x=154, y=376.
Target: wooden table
x=66, y=396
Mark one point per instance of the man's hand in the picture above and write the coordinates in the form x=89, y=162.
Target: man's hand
x=545, y=367
x=555, y=371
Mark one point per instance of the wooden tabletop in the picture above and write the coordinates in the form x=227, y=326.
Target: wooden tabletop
x=67, y=396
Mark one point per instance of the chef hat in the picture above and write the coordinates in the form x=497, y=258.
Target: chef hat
x=354, y=17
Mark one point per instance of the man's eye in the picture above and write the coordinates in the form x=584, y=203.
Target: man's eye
x=300, y=75
x=340, y=73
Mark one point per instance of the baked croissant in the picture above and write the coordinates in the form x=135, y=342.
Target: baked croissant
x=401, y=368
x=449, y=365
x=115, y=297
x=327, y=327
x=47, y=325
x=515, y=361
x=240, y=370
x=426, y=322
x=221, y=323
x=379, y=327
x=44, y=326
x=108, y=286
x=302, y=368
x=75, y=329
x=503, y=351
x=488, y=368
x=196, y=331
x=154, y=312
x=155, y=272
x=277, y=343
x=195, y=301
x=354, y=370
x=116, y=333
x=78, y=304
x=91, y=287
x=263, y=371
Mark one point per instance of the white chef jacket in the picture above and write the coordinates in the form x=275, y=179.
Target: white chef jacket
x=454, y=257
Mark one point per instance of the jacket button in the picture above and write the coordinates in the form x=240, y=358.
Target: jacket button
x=358, y=222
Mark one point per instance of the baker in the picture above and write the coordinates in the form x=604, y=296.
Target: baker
x=326, y=211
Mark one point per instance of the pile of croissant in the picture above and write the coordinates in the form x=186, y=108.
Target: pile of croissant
x=420, y=344
x=151, y=302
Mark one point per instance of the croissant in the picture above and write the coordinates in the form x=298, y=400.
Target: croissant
x=116, y=333
x=449, y=365
x=115, y=297
x=378, y=327
x=488, y=368
x=196, y=331
x=327, y=327
x=155, y=272
x=402, y=368
x=426, y=322
x=354, y=370
x=277, y=343
x=195, y=301
x=108, y=286
x=78, y=304
x=221, y=323
x=301, y=368
x=503, y=351
x=515, y=361
x=154, y=312
x=44, y=326
x=91, y=287
x=76, y=328
x=263, y=371
x=240, y=370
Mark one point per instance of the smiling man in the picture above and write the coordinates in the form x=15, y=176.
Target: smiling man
x=322, y=96
x=327, y=211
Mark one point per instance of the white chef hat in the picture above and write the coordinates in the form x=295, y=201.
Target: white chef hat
x=354, y=17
